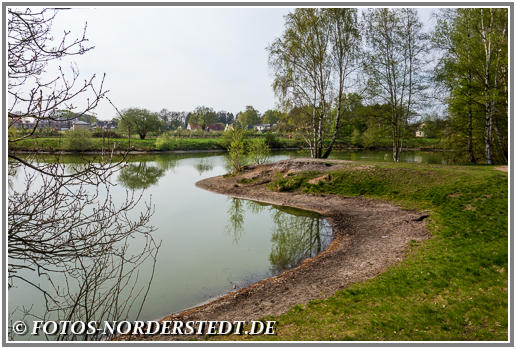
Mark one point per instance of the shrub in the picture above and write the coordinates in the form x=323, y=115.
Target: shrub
x=370, y=136
x=78, y=140
x=272, y=140
x=13, y=133
x=105, y=134
x=259, y=151
x=356, y=137
x=166, y=142
x=236, y=158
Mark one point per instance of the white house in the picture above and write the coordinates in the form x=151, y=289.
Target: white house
x=263, y=127
x=78, y=124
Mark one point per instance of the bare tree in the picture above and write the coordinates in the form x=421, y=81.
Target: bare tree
x=65, y=230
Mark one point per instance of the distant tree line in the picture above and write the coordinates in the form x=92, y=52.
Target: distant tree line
x=140, y=121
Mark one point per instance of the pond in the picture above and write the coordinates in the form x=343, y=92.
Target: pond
x=210, y=244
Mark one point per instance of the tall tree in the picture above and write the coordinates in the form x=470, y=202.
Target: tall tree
x=249, y=117
x=271, y=116
x=344, y=41
x=394, y=65
x=473, y=70
x=225, y=117
x=141, y=121
x=203, y=116
x=311, y=62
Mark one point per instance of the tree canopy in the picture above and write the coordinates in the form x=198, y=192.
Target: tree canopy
x=140, y=121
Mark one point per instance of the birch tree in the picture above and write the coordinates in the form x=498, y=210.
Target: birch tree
x=393, y=62
x=473, y=69
x=312, y=62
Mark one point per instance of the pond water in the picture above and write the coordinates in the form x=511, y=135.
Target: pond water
x=210, y=244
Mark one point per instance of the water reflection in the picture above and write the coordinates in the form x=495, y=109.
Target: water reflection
x=235, y=226
x=203, y=166
x=296, y=235
x=81, y=255
x=140, y=176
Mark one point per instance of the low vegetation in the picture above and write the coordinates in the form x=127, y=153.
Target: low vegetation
x=451, y=287
x=78, y=140
x=179, y=141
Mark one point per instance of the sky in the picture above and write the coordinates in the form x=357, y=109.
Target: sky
x=180, y=58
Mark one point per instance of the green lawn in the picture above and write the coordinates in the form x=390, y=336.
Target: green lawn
x=452, y=287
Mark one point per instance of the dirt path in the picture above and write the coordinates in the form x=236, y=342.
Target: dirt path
x=502, y=168
x=369, y=236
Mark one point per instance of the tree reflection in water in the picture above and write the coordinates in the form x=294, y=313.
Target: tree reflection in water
x=140, y=176
x=296, y=234
x=235, y=226
x=297, y=237
x=203, y=166
x=81, y=256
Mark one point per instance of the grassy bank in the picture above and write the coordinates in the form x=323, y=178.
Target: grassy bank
x=97, y=144
x=451, y=287
x=56, y=144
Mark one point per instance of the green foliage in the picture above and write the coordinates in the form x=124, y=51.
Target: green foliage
x=249, y=117
x=451, y=287
x=203, y=116
x=396, y=43
x=236, y=157
x=13, y=133
x=140, y=176
x=316, y=44
x=356, y=137
x=100, y=133
x=78, y=140
x=166, y=142
x=271, y=117
x=259, y=151
x=272, y=140
x=370, y=136
x=139, y=121
x=473, y=70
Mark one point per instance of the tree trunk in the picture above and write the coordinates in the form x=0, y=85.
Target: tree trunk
x=470, y=135
x=337, y=118
x=470, y=102
x=486, y=38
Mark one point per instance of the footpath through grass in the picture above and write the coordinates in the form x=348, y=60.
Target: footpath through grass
x=452, y=287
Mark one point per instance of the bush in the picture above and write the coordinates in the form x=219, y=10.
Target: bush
x=272, y=140
x=259, y=151
x=370, y=137
x=105, y=134
x=166, y=142
x=236, y=158
x=356, y=137
x=78, y=140
x=13, y=133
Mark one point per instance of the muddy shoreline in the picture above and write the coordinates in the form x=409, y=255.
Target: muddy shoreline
x=369, y=236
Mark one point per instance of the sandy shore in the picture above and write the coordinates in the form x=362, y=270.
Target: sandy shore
x=369, y=236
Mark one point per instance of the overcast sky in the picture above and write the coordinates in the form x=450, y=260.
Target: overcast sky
x=180, y=58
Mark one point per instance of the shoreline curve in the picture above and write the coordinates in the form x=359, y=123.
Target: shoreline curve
x=369, y=236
